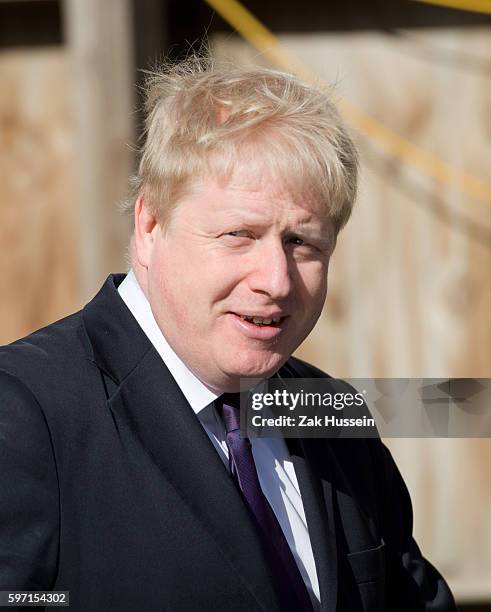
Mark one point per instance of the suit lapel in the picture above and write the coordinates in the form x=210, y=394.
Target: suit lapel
x=316, y=489
x=317, y=498
x=150, y=401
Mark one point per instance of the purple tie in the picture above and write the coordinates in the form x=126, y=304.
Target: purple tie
x=291, y=587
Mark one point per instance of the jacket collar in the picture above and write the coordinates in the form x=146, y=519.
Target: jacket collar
x=115, y=341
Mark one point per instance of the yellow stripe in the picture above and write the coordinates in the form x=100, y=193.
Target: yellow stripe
x=268, y=44
x=258, y=35
x=474, y=6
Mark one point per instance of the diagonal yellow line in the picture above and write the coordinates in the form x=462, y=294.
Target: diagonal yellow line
x=258, y=35
x=268, y=44
x=474, y=6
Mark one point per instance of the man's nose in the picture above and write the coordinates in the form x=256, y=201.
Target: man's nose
x=271, y=271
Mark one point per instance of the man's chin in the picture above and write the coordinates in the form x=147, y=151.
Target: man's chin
x=257, y=368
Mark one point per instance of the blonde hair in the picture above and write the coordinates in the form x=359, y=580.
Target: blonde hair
x=203, y=120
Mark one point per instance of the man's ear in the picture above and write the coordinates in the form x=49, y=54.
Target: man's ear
x=146, y=228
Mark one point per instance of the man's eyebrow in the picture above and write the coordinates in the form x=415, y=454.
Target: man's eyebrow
x=303, y=228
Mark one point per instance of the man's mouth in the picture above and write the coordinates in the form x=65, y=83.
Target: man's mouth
x=261, y=320
x=273, y=321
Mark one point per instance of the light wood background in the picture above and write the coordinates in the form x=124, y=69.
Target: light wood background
x=38, y=270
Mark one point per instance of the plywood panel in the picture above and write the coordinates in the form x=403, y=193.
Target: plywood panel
x=38, y=272
x=100, y=48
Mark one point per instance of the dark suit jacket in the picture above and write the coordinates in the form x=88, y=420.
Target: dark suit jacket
x=111, y=489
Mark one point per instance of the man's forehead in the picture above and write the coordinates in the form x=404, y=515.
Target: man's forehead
x=247, y=195
x=288, y=215
x=262, y=180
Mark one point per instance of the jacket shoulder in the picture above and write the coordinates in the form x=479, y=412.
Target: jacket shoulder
x=48, y=336
x=297, y=368
x=44, y=353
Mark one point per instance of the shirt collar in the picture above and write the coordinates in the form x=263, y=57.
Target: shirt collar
x=196, y=393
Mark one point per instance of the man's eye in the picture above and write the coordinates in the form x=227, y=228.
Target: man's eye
x=296, y=240
x=240, y=234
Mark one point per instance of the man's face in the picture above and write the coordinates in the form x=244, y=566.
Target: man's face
x=232, y=253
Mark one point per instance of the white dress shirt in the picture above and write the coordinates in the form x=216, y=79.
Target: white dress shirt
x=274, y=466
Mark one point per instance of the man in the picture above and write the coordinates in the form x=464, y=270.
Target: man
x=124, y=479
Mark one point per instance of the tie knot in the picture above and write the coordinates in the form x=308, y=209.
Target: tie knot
x=229, y=408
